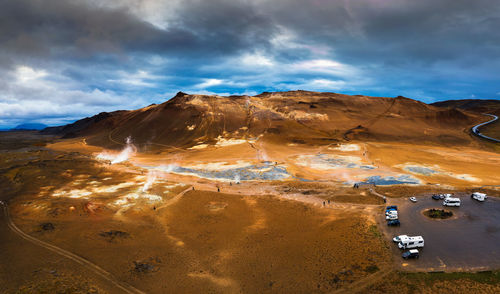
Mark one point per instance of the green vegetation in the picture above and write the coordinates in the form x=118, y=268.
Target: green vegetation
x=372, y=269
x=485, y=277
x=374, y=230
x=438, y=213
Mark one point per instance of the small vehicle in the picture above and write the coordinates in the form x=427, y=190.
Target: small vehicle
x=479, y=196
x=413, y=199
x=436, y=196
x=397, y=239
x=411, y=242
x=391, y=212
x=391, y=207
x=391, y=217
x=413, y=253
x=451, y=201
x=394, y=222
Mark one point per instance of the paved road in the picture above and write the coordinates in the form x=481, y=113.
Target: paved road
x=126, y=288
x=475, y=129
x=468, y=241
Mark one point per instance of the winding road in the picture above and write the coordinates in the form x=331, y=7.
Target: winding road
x=126, y=288
x=475, y=129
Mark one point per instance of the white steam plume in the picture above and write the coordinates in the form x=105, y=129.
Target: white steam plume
x=124, y=155
x=263, y=155
x=150, y=180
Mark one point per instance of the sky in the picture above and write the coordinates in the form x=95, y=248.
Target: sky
x=62, y=60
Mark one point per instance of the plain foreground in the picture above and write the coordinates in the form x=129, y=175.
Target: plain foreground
x=195, y=229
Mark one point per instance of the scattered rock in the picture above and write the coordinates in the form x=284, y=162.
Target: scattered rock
x=47, y=226
x=371, y=269
x=310, y=192
x=145, y=266
x=113, y=234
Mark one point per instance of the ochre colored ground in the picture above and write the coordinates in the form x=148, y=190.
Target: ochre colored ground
x=253, y=237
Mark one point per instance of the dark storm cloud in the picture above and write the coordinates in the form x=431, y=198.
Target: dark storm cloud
x=356, y=30
x=424, y=30
x=86, y=50
x=67, y=29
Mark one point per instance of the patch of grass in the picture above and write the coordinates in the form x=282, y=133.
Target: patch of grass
x=374, y=230
x=486, y=277
x=438, y=213
x=372, y=269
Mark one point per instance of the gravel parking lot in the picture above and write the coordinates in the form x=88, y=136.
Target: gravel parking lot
x=468, y=241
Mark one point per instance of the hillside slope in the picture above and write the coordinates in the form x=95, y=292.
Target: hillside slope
x=475, y=105
x=283, y=117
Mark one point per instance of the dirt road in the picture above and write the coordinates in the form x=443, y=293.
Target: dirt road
x=126, y=288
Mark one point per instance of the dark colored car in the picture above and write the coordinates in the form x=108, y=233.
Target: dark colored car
x=392, y=207
x=436, y=197
x=394, y=222
x=413, y=253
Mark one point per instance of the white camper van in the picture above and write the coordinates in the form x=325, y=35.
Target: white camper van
x=479, y=196
x=451, y=201
x=411, y=242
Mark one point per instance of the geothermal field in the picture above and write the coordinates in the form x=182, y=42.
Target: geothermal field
x=279, y=192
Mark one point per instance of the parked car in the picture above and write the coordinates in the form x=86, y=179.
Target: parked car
x=391, y=207
x=451, y=201
x=394, y=222
x=436, y=196
x=391, y=217
x=479, y=196
x=397, y=239
x=413, y=253
x=411, y=242
x=413, y=199
x=391, y=212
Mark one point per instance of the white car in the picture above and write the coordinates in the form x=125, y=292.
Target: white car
x=451, y=201
x=413, y=199
x=397, y=239
x=391, y=212
x=391, y=217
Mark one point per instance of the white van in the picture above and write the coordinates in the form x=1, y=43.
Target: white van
x=411, y=242
x=479, y=196
x=451, y=201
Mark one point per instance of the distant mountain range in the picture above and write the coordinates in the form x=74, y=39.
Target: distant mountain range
x=29, y=126
x=294, y=117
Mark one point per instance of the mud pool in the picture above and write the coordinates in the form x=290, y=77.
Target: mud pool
x=265, y=171
x=389, y=180
x=420, y=170
x=326, y=161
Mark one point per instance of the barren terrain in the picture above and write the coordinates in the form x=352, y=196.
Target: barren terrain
x=233, y=194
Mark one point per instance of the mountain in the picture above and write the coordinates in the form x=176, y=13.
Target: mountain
x=300, y=117
x=476, y=105
x=30, y=127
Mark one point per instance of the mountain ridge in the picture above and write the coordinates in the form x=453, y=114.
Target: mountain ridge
x=313, y=117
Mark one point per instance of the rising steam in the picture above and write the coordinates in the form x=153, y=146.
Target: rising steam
x=150, y=180
x=124, y=155
x=262, y=155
